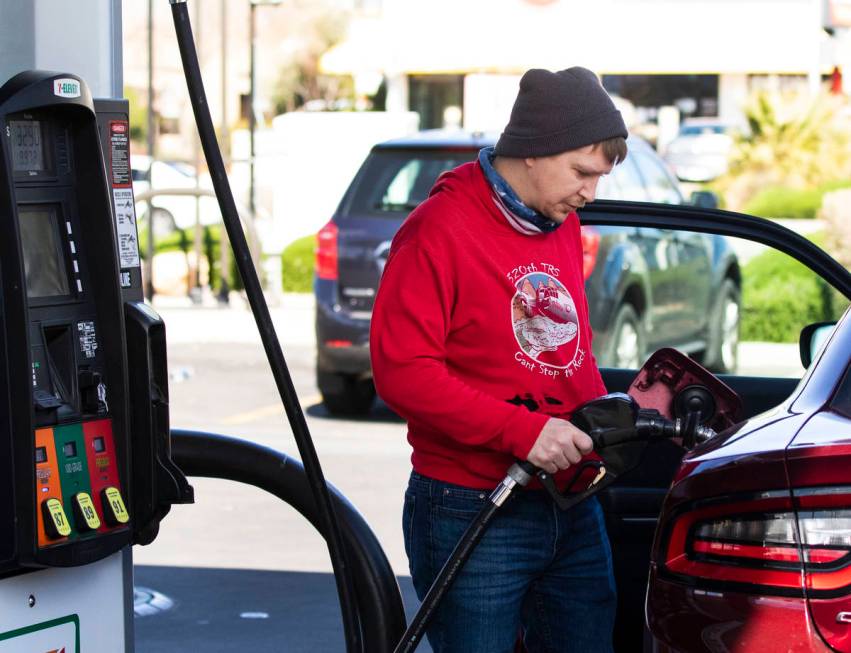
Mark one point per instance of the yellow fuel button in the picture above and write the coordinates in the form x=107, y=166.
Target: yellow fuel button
x=85, y=514
x=113, y=507
x=55, y=521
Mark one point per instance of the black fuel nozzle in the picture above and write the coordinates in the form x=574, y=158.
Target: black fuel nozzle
x=620, y=431
x=651, y=425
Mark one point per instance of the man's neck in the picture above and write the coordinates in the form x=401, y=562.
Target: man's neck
x=514, y=172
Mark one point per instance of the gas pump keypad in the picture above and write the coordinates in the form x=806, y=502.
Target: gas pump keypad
x=77, y=482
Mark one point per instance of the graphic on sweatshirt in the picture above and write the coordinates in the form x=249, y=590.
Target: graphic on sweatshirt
x=544, y=319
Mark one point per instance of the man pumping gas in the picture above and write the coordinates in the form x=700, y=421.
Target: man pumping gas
x=481, y=341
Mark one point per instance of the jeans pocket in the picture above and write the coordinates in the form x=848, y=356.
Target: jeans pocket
x=460, y=502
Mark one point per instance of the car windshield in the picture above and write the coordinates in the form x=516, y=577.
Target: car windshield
x=398, y=180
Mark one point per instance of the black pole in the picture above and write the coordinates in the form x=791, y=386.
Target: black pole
x=329, y=525
x=149, y=277
x=252, y=118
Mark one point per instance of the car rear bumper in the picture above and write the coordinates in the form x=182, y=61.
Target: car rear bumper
x=342, y=342
x=685, y=618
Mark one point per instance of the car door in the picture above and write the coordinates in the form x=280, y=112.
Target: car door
x=768, y=373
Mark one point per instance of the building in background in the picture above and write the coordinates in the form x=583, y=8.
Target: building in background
x=460, y=61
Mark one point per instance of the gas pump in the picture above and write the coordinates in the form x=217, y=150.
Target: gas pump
x=85, y=469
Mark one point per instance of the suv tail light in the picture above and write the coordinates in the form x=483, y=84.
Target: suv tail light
x=326, y=252
x=590, y=238
x=765, y=543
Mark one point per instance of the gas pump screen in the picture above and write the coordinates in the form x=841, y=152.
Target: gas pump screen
x=44, y=264
x=27, y=150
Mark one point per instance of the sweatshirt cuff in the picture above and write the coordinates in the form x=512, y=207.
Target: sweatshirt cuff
x=521, y=431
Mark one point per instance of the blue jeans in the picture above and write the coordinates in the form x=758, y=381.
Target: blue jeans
x=537, y=571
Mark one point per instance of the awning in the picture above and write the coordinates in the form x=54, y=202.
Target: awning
x=608, y=36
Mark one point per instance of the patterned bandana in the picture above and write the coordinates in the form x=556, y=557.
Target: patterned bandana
x=524, y=219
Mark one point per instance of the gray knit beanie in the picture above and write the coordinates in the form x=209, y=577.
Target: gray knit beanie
x=556, y=112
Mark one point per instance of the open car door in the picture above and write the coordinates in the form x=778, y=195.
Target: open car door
x=750, y=328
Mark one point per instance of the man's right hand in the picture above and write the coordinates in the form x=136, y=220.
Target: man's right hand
x=559, y=445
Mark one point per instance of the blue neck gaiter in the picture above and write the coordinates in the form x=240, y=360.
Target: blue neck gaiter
x=528, y=217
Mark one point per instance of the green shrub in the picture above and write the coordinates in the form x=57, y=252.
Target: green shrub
x=782, y=202
x=297, y=265
x=780, y=296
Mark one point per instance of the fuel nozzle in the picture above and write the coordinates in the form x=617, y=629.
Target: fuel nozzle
x=653, y=426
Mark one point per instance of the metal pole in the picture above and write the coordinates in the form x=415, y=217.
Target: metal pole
x=252, y=119
x=224, y=242
x=194, y=281
x=149, y=277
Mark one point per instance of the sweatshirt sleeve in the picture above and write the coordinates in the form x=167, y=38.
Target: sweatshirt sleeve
x=410, y=325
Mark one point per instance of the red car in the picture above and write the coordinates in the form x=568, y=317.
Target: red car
x=753, y=548
x=748, y=537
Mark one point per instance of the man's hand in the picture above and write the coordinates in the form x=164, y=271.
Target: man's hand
x=559, y=445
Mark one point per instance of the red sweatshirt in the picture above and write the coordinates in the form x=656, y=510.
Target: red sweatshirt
x=479, y=332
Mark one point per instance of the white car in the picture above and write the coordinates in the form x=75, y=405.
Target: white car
x=171, y=211
x=701, y=150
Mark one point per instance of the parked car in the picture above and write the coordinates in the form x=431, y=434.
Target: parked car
x=753, y=545
x=646, y=287
x=171, y=211
x=750, y=534
x=701, y=150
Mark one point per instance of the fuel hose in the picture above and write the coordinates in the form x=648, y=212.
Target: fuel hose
x=242, y=255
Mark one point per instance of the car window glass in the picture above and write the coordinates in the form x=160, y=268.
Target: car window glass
x=396, y=181
x=727, y=302
x=629, y=182
x=660, y=186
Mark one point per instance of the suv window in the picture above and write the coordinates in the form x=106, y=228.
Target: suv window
x=399, y=180
x=626, y=183
x=660, y=186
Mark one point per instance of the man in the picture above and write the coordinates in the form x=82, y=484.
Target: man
x=481, y=341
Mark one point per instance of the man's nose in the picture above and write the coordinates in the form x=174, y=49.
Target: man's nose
x=589, y=190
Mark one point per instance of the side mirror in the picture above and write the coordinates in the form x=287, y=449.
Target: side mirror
x=813, y=336
x=705, y=199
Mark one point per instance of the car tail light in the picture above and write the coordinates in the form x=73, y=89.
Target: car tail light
x=326, y=252
x=765, y=543
x=590, y=238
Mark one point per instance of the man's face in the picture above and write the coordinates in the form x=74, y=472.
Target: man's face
x=563, y=183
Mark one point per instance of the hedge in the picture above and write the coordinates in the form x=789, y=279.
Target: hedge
x=782, y=202
x=297, y=265
x=780, y=296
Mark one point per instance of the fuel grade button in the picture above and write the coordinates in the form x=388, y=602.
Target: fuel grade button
x=85, y=514
x=113, y=507
x=55, y=521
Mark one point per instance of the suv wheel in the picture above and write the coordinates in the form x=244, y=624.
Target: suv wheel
x=345, y=395
x=723, y=350
x=626, y=350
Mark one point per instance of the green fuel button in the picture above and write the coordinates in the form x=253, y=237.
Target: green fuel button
x=85, y=514
x=55, y=522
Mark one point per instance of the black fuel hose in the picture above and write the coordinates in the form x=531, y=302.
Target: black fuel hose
x=379, y=601
x=209, y=143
